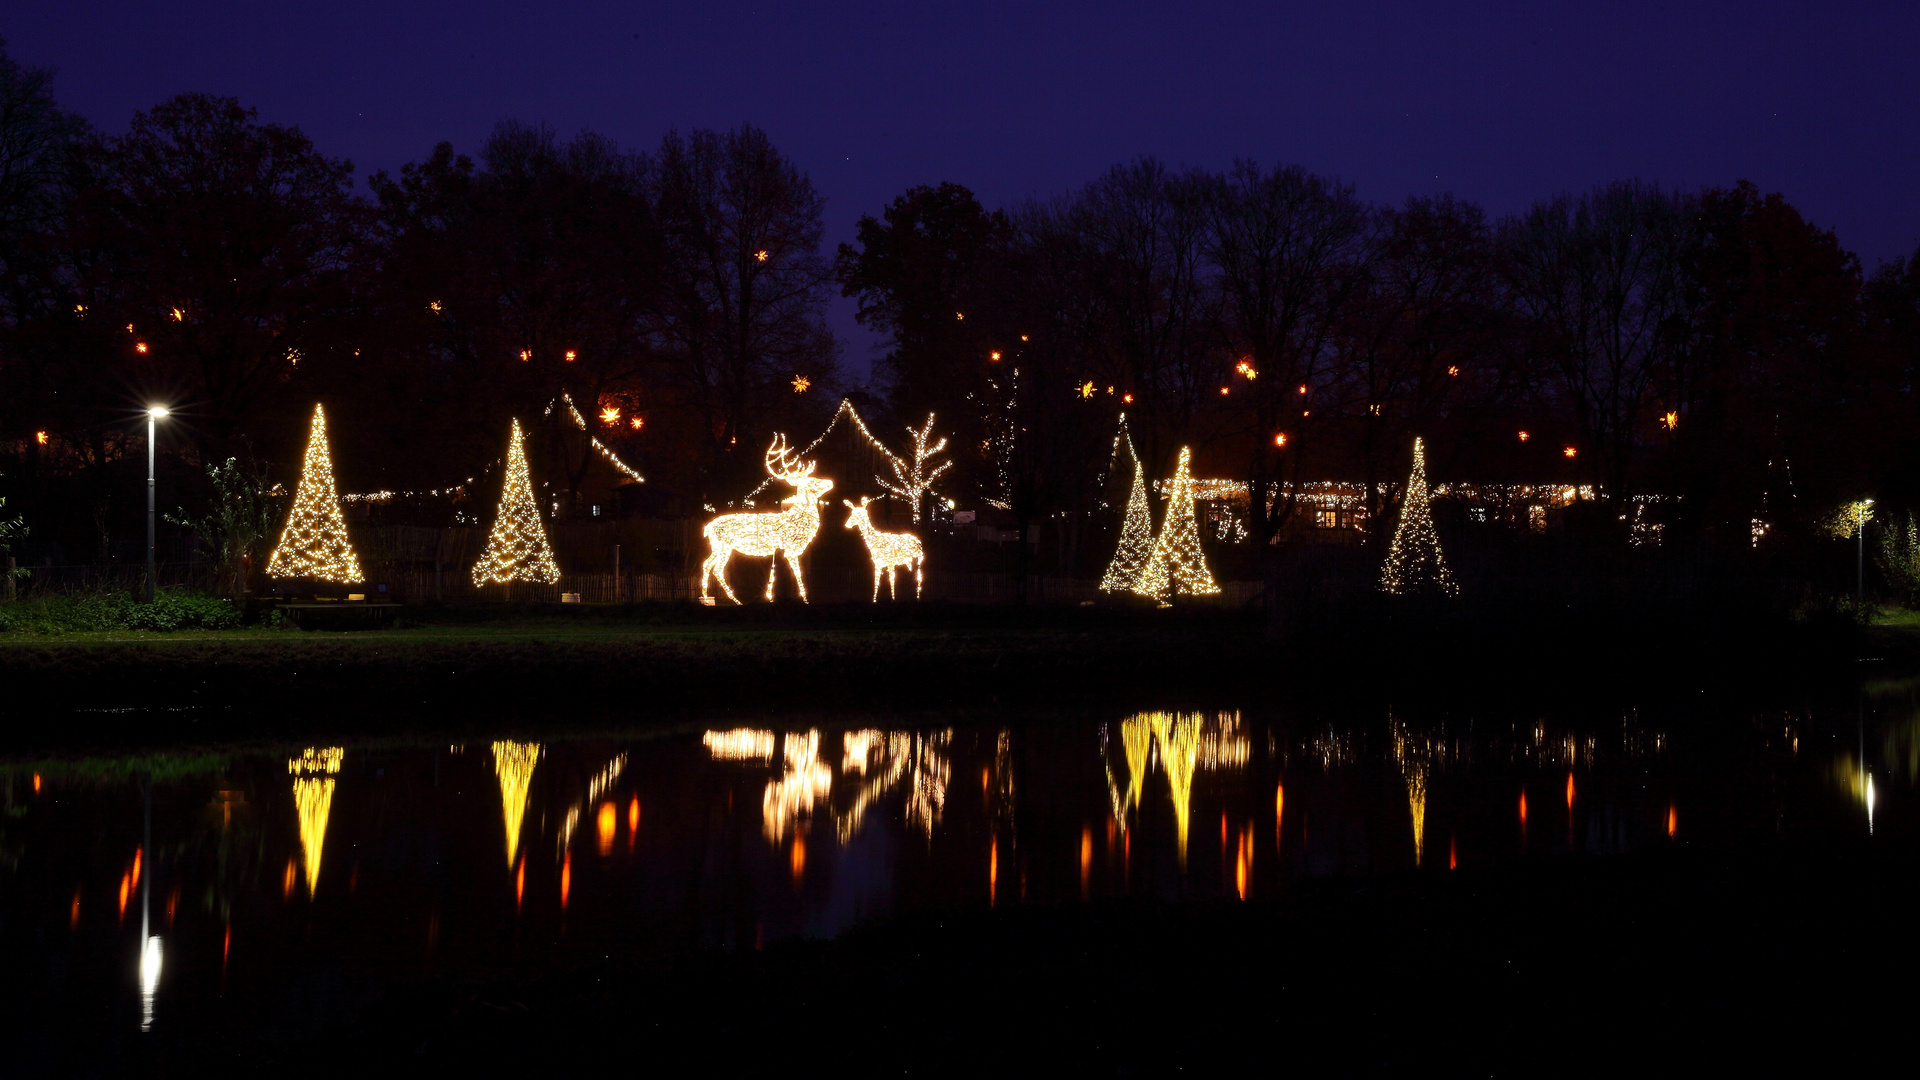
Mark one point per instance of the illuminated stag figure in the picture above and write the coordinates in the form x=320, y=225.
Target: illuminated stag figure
x=887, y=550
x=769, y=536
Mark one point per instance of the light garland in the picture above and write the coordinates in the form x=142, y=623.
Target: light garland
x=606, y=451
x=517, y=548
x=887, y=551
x=768, y=536
x=313, y=776
x=740, y=744
x=314, y=544
x=1176, y=565
x=912, y=480
x=1136, y=534
x=1414, y=561
x=513, y=763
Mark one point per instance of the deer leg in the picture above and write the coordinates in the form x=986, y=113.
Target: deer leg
x=919, y=568
x=773, y=573
x=893, y=590
x=716, y=565
x=876, y=584
x=799, y=582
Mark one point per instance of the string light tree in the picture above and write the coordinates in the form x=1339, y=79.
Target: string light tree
x=1136, y=534
x=1176, y=566
x=314, y=544
x=1414, y=563
x=517, y=548
x=913, y=480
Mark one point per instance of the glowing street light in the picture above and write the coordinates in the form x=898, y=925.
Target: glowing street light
x=154, y=415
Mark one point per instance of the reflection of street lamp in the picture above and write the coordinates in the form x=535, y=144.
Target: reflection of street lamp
x=149, y=944
x=158, y=412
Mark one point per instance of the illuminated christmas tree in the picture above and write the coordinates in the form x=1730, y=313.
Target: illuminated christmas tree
x=1176, y=566
x=517, y=548
x=1414, y=562
x=1136, y=534
x=314, y=543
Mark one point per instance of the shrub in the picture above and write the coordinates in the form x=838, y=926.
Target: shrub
x=172, y=609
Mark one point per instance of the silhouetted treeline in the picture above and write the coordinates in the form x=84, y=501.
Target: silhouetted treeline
x=1712, y=347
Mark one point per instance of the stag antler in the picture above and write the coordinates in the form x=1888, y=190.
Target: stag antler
x=781, y=464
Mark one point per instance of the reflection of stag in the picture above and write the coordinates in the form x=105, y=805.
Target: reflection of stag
x=783, y=532
x=888, y=550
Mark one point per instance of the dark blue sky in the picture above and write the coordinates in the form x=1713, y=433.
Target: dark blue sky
x=1498, y=102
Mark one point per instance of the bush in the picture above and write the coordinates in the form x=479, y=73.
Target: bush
x=172, y=609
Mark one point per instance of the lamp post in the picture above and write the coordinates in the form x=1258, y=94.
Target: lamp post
x=155, y=414
x=1862, y=513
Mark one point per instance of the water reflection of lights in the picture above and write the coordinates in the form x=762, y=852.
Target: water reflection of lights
x=890, y=759
x=1859, y=781
x=313, y=803
x=740, y=744
x=1415, y=756
x=607, y=825
x=513, y=763
x=1178, y=738
x=601, y=781
x=149, y=980
x=807, y=781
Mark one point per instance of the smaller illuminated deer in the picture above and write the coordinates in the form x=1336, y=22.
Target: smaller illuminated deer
x=785, y=532
x=887, y=550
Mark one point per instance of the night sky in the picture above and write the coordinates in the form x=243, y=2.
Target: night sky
x=1498, y=102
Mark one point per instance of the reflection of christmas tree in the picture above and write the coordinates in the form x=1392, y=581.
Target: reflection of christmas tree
x=517, y=549
x=1414, y=563
x=1176, y=565
x=1136, y=535
x=314, y=544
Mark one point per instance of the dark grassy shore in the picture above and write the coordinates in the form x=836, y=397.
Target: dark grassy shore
x=458, y=669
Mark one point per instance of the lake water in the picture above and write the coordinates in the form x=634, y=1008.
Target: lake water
x=272, y=890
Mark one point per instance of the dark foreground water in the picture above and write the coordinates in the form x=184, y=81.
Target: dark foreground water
x=271, y=893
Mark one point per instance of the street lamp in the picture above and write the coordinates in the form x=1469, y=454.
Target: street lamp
x=1862, y=513
x=154, y=414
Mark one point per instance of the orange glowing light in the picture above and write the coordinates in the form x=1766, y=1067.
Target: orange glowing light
x=801, y=383
x=1224, y=391
x=1086, y=859
x=637, y=423
x=1673, y=822
x=73, y=917
x=1240, y=870
x=761, y=255
x=178, y=315
x=136, y=866
x=609, y=821
x=1453, y=854
x=1086, y=390
x=994, y=355
x=566, y=878
x=40, y=437
x=520, y=882
x=226, y=945
x=1023, y=337
x=799, y=856
x=633, y=815
x=1523, y=808
x=570, y=356
x=1569, y=451
x=1280, y=439
x=286, y=882
x=1524, y=436
x=1670, y=421
x=993, y=872
x=140, y=346
x=1453, y=369
x=125, y=888
x=526, y=355
x=1126, y=399
x=961, y=315
x=173, y=904
x=434, y=307
x=1569, y=790
x=36, y=783
x=1246, y=368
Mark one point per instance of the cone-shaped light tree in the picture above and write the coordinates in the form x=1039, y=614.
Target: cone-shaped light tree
x=1136, y=534
x=1176, y=566
x=517, y=548
x=314, y=543
x=1414, y=563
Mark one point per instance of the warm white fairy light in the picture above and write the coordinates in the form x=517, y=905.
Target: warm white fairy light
x=1414, y=561
x=313, y=777
x=1178, y=736
x=1177, y=566
x=605, y=451
x=808, y=781
x=314, y=543
x=1136, y=533
x=517, y=548
x=740, y=744
x=887, y=551
x=900, y=468
x=770, y=536
x=912, y=479
x=513, y=763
